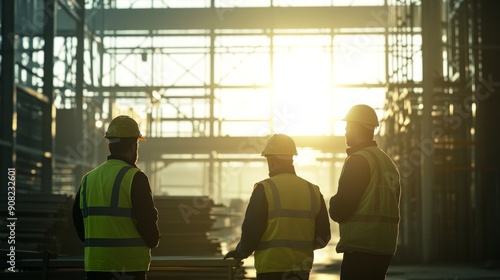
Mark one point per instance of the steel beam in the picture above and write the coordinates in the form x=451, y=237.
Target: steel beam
x=234, y=18
x=8, y=91
x=432, y=70
x=80, y=36
x=154, y=148
x=487, y=96
x=48, y=133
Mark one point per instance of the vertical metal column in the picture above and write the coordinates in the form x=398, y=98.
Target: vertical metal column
x=212, y=83
x=271, y=70
x=48, y=133
x=432, y=67
x=211, y=175
x=211, y=183
x=80, y=37
x=8, y=92
x=488, y=101
x=386, y=47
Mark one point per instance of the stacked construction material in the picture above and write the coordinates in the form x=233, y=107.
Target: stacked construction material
x=195, y=268
x=187, y=249
x=42, y=223
x=190, y=247
x=47, y=266
x=185, y=223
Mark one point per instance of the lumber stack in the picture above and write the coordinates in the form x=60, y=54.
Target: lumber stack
x=36, y=266
x=43, y=223
x=185, y=223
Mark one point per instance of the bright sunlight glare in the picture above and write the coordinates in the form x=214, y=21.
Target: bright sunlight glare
x=311, y=82
x=301, y=93
x=306, y=98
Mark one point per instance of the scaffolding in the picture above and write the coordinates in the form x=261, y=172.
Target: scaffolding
x=210, y=81
x=28, y=83
x=174, y=69
x=442, y=196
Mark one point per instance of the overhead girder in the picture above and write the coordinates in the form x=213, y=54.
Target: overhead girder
x=155, y=148
x=232, y=18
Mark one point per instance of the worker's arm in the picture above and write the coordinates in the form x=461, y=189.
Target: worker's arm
x=78, y=217
x=322, y=231
x=144, y=210
x=352, y=185
x=253, y=225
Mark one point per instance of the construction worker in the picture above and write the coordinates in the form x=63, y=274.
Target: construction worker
x=286, y=218
x=114, y=212
x=366, y=205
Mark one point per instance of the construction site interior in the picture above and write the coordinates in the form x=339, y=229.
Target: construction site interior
x=209, y=81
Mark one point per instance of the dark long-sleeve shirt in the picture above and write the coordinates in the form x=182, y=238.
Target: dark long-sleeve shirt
x=143, y=209
x=353, y=182
x=255, y=221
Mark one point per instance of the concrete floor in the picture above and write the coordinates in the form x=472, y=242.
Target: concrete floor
x=416, y=272
x=330, y=270
x=442, y=272
x=327, y=267
x=428, y=272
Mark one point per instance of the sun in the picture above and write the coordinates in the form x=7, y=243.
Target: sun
x=302, y=93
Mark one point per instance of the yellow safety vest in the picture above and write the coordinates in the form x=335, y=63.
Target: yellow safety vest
x=287, y=243
x=112, y=242
x=374, y=226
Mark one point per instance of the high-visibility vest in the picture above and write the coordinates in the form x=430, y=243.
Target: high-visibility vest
x=112, y=243
x=287, y=243
x=374, y=226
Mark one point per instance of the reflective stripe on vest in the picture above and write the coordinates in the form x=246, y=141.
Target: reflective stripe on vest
x=288, y=249
x=112, y=211
x=376, y=215
x=278, y=211
x=374, y=226
x=112, y=242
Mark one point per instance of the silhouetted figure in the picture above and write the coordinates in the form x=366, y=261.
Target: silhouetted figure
x=114, y=212
x=286, y=218
x=366, y=205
